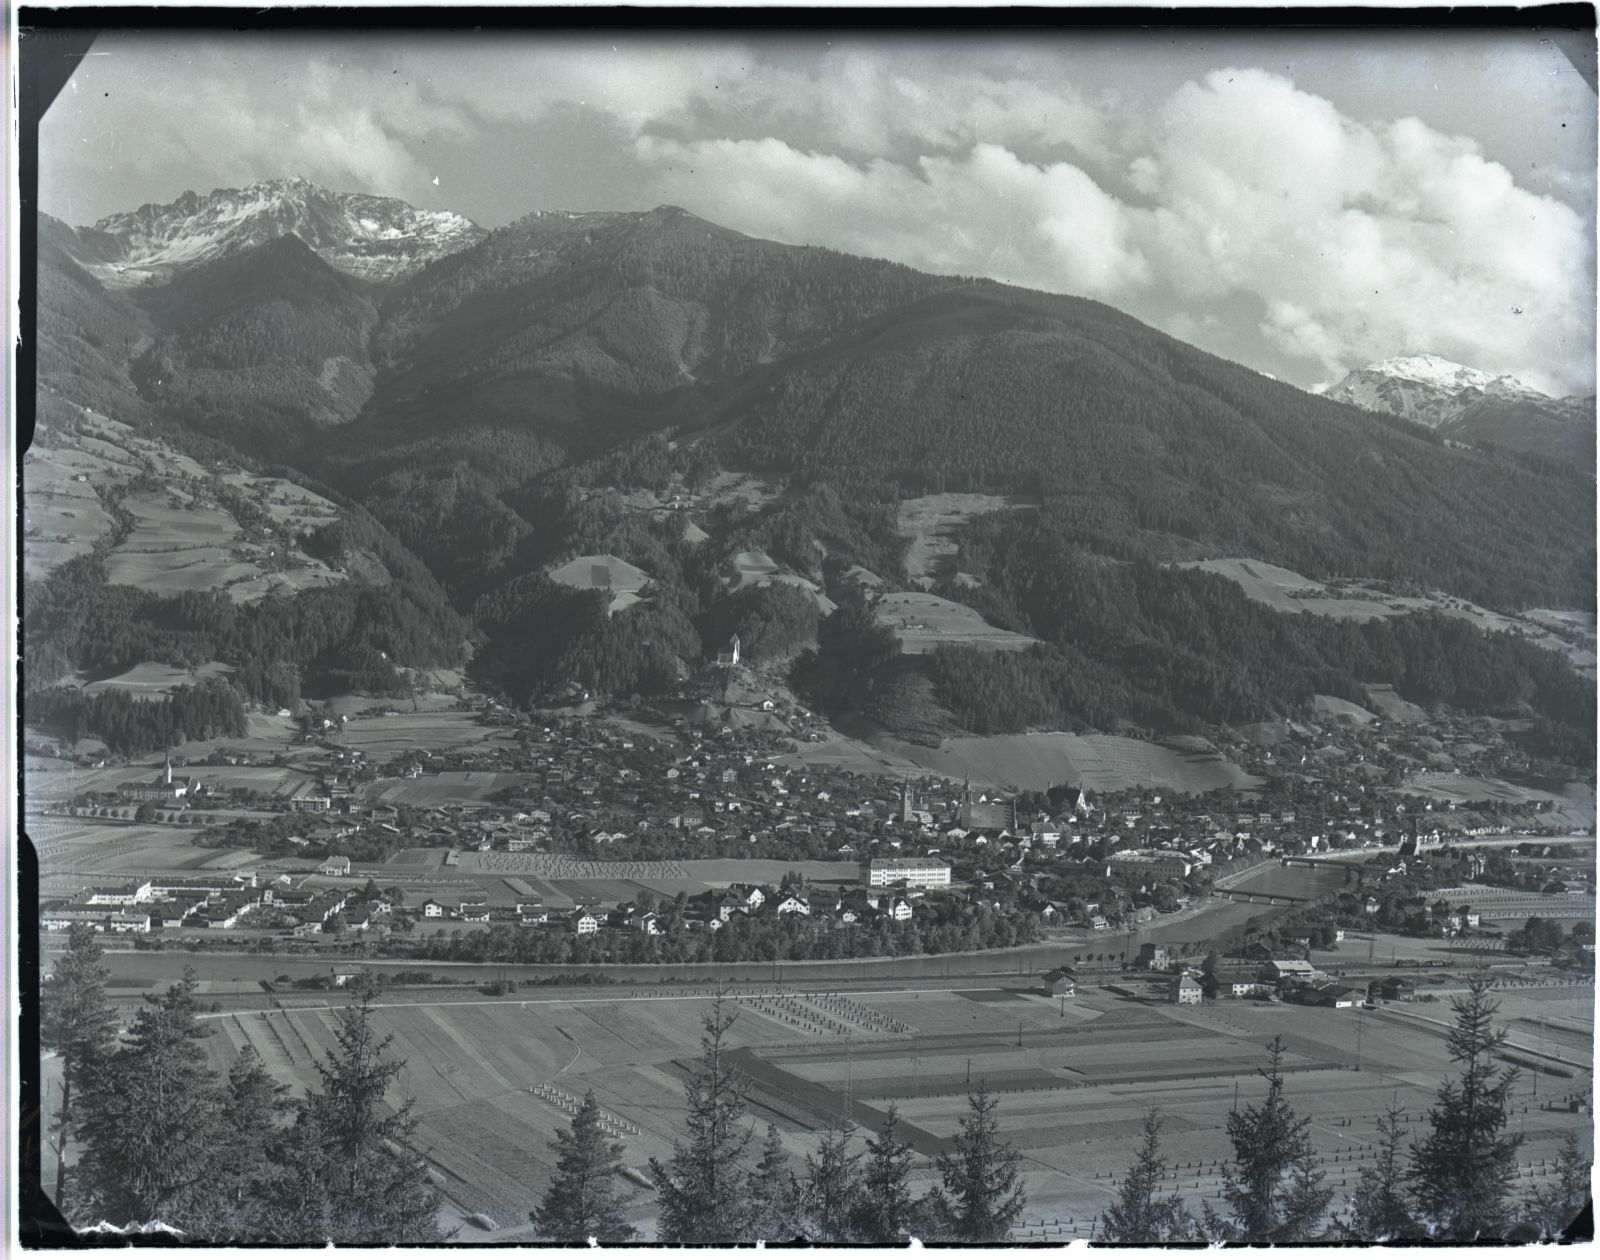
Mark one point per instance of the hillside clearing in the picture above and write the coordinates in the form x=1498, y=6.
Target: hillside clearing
x=923, y=622
x=931, y=521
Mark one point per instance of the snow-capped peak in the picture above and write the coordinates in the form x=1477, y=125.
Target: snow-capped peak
x=1427, y=388
x=374, y=238
x=1431, y=369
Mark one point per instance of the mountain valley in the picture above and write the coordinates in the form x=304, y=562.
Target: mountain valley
x=481, y=408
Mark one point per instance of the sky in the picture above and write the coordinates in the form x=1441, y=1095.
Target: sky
x=1304, y=203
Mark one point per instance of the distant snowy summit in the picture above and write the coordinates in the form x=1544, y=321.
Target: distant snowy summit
x=371, y=238
x=1428, y=389
x=1475, y=408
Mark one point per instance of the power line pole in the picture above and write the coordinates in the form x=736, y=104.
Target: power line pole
x=850, y=1082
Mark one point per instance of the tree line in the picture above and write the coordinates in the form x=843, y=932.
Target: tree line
x=146, y=1132
x=130, y=726
x=720, y=1186
x=946, y=926
x=1452, y=1181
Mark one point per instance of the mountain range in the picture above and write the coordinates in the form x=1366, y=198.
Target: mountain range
x=371, y=238
x=480, y=393
x=1471, y=406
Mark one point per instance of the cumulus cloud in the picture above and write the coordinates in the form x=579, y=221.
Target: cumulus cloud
x=984, y=213
x=1239, y=210
x=1355, y=242
x=865, y=103
x=1366, y=242
x=241, y=115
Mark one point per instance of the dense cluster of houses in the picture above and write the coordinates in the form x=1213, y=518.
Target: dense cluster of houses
x=213, y=901
x=703, y=912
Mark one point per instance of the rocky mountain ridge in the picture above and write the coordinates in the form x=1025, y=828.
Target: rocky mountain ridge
x=379, y=239
x=1468, y=405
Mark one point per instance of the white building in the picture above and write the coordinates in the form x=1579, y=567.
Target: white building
x=1158, y=864
x=913, y=872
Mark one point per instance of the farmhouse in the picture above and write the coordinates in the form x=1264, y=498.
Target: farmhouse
x=1186, y=990
x=1239, y=984
x=1338, y=996
x=913, y=872
x=585, y=924
x=1292, y=970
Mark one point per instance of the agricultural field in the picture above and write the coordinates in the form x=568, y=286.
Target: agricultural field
x=490, y=1078
x=1342, y=710
x=923, y=622
x=1386, y=701
x=287, y=503
x=473, y=1068
x=178, y=545
x=406, y=732
x=930, y=522
x=1041, y=759
x=1087, y=1087
x=74, y=852
x=1303, y=883
x=180, y=540
x=449, y=786
x=1463, y=788
x=757, y=568
x=62, y=517
x=604, y=573
x=148, y=679
x=1510, y=906
x=562, y=881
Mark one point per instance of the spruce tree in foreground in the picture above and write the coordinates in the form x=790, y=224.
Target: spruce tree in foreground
x=982, y=1194
x=581, y=1201
x=828, y=1198
x=1558, y=1205
x=1140, y=1214
x=1380, y=1209
x=883, y=1208
x=151, y=1119
x=703, y=1188
x=354, y=1178
x=77, y=1023
x=774, y=1194
x=234, y=1201
x=1463, y=1169
x=1275, y=1190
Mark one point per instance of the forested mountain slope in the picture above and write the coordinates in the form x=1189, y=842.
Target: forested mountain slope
x=493, y=410
x=259, y=345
